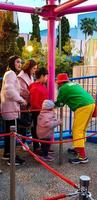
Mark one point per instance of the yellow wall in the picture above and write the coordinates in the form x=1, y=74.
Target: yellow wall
x=90, y=60
x=90, y=56
x=90, y=65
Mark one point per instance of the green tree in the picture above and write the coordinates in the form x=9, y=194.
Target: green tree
x=65, y=29
x=88, y=26
x=67, y=47
x=35, y=28
x=8, y=44
x=64, y=66
x=20, y=43
x=38, y=52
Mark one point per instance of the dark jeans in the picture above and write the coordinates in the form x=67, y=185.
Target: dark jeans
x=8, y=123
x=45, y=147
x=21, y=131
x=33, y=129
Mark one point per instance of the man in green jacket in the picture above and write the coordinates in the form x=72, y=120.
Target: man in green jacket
x=83, y=105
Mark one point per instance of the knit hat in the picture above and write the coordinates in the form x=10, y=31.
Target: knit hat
x=48, y=104
x=61, y=78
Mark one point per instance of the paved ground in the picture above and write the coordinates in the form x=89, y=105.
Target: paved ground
x=34, y=182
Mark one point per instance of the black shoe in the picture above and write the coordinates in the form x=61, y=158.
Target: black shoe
x=78, y=160
x=47, y=158
x=51, y=152
x=72, y=151
x=37, y=151
x=6, y=157
x=18, y=161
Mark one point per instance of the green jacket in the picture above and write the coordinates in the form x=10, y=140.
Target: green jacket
x=73, y=95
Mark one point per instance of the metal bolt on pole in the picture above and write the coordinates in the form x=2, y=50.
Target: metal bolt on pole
x=12, y=163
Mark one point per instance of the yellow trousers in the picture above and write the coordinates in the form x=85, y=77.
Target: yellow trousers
x=82, y=118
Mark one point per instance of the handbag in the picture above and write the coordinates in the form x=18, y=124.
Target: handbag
x=95, y=111
x=26, y=119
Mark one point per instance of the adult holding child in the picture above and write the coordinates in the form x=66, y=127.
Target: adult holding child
x=10, y=102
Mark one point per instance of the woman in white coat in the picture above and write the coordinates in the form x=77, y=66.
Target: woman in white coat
x=10, y=102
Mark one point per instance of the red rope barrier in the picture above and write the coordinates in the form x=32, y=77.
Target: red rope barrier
x=30, y=110
x=48, y=142
x=56, y=142
x=60, y=196
x=5, y=134
x=53, y=171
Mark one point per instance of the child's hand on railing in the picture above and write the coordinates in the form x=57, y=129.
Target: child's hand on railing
x=61, y=122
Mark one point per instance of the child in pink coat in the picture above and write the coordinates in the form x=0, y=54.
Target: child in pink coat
x=46, y=123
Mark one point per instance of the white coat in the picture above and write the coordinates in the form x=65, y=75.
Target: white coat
x=10, y=96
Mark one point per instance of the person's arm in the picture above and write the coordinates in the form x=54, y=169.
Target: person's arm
x=60, y=102
x=56, y=123
x=10, y=90
x=24, y=92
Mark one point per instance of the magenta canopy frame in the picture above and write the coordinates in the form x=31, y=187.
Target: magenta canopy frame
x=51, y=13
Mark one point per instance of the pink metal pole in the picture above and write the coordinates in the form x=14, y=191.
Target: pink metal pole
x=79, y=10
x=51, y=57
x=51, y=2
x=24, y=9
x=51, y=54
x=67, y=5
x=11, y=7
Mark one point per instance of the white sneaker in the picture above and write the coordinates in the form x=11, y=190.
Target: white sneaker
x=26, y=146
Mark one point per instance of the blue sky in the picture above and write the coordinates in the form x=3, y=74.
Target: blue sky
x=25, y=19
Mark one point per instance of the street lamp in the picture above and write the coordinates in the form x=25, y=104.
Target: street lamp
x=30, y=49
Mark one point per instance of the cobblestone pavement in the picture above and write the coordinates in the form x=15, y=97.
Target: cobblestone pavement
x=34, y=182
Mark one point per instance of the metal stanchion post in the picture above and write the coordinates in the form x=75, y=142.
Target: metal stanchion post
x=12, y=163
x=84, y=184
x=61, y=138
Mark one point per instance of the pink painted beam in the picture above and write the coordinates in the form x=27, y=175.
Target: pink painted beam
x=6, y=6
x=51, y=54
x=51, y=2
x=67, y=5
x=79, y=10
x=51, y=58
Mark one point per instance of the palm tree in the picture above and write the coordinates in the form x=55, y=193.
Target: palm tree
x=88, y=26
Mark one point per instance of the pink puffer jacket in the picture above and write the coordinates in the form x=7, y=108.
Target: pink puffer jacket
x=25, y=81
x=10, y=96
x=46, y=123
